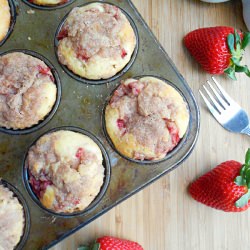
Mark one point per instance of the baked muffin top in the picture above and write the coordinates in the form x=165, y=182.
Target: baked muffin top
x=11, y=219
x=66, y=171
x=146, y=118
x=96, y=41
x=27, y=90
x=5, y=18
x=49, y=2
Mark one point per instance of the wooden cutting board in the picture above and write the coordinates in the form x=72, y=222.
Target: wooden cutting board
x=163, y=216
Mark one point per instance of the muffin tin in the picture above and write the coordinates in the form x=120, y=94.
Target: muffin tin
x=82, y=106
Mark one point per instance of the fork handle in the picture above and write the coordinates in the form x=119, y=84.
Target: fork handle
x=246, y=130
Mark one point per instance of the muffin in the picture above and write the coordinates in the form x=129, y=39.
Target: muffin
x=49, y=2
x=5, y=18
x=146, y=118
x=27, y=90
x=65, y=171
x=96, y=41
x=11, y=219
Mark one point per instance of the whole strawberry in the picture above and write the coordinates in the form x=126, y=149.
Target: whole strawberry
x=226, y=187
x=112, y=243
x=218, y=49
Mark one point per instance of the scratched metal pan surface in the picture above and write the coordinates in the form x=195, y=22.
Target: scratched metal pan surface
x=81, y=106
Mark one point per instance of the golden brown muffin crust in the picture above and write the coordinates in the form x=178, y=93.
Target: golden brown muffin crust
x=146, y=118
x=27, y=90
x=11, y=219
x=66, y=171
x=5, y=18
x=49, y=2
x=96, y=41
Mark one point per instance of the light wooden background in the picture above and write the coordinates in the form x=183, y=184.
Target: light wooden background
x=163, y=216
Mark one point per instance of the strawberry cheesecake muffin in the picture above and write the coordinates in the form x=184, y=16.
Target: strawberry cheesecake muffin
x=146, y=118
x=65, y=171
x=5, y=18
x=96, y=41
x=27, y=90
x=49, y=2
x=11, y=219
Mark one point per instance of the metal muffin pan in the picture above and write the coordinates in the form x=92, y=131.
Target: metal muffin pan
x=101, y=81
x=107, y=173
x=26, y=213
x=82, y=106
x=49, y=116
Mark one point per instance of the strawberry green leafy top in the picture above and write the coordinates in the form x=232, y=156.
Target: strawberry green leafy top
x=244, y=180
x=237, y=47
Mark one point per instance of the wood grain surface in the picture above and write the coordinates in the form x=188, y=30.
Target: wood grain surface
x=163, y=216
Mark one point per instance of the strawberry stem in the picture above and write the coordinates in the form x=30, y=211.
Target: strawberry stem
x=244, y=180
x=237, y=40
x=230, y=71
x=236, y=47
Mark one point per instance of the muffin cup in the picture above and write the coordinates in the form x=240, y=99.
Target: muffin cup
x=146, y=162
x=117, y=75
x=12, y=21
x=48, y=7
x=98, y=198
x=49, y=116
x=22, y=201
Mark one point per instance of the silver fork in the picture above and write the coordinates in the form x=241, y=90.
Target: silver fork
x=225, y=110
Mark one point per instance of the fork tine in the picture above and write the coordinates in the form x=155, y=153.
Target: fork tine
x=210, y=107
x=223, y=103
x=214, y=102
x=227, y=98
